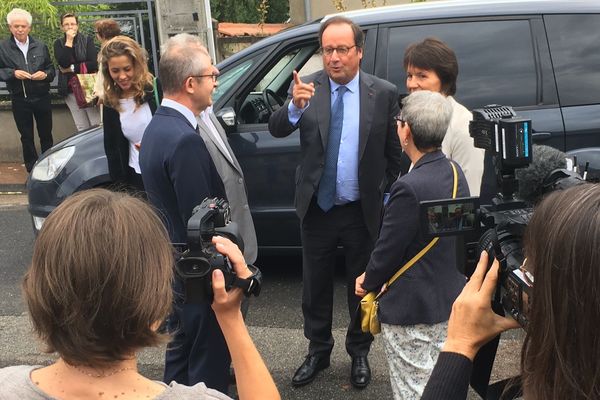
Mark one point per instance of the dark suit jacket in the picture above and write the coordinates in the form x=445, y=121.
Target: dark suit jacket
x=424, y=293
x=379, y=147
x=177, y=170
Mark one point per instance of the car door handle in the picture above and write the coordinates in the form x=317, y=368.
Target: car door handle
x=541, y=136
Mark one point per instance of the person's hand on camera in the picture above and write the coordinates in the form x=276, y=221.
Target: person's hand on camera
x=227, y=303
x=472, y=322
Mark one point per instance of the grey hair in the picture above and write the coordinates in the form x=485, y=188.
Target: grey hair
x=18, y=13
x=180, y=58
x=428, y=115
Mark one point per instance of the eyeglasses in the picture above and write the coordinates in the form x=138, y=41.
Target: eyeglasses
x=400, y=120
x=214, y=76
x=341, y=51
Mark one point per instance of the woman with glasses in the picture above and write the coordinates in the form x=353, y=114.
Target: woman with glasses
x=131, y=97
x=414, y=309
x=75, y=53
x=432, y=65
x=560, y=358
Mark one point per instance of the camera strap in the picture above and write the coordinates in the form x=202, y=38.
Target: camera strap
x=424, y=251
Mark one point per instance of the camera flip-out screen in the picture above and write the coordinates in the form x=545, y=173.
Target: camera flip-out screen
x=449, y=217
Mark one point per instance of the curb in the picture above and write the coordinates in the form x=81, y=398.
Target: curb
x=10, y=188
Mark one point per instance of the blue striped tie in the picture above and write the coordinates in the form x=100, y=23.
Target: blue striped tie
x=327, y=186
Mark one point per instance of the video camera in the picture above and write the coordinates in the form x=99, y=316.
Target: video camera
x=497, y=228
x=197, y=263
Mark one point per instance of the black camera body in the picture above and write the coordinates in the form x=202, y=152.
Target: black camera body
x=197, y=263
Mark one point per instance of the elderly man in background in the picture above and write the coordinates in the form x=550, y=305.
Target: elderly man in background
x=27, y=69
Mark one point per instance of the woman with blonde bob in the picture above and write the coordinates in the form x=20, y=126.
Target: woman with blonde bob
x=96, y=297
x=130, y=100
x=560, y=359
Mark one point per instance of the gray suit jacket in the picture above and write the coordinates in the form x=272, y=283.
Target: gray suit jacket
x=379, y=147
x=233, y=179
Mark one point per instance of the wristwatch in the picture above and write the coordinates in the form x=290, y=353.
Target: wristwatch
x=72, y=68
x=252, y=284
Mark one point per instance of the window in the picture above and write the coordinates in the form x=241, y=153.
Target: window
x=576, y=57
x=496, y=61
x=230, y=77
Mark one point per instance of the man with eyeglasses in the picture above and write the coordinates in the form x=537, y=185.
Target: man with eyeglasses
x=350, y=154
x=178, y=174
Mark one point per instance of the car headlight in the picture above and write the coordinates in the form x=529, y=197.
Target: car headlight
x=49, y=167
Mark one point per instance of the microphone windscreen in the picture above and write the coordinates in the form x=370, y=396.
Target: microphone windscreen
x=545, y=159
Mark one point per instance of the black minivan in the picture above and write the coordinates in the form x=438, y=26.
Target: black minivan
x=540, y=56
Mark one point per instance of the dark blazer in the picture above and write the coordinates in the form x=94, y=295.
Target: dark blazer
x=379, y=147
x=424, y=293
x=177, y=170
x=116, y=145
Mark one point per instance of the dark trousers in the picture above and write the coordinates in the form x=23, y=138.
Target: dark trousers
x=24, y=110
x=197, y=352
x=322, y=232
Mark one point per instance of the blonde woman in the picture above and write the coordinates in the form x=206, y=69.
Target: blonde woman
x=130, y=100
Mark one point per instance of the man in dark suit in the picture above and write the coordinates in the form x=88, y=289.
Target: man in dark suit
x=231, y=174
x=178, y=174
x=348, y=144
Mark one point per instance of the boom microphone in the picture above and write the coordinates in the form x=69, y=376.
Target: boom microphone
x=546, y=172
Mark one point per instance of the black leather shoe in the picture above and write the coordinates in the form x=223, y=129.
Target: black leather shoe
x=360, y=374
x=309, y=369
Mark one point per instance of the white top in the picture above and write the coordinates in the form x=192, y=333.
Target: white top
x=24, y=47
x=458, y=146
x=133, y=124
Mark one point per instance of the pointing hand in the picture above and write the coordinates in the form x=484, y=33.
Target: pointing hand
x=302, y=92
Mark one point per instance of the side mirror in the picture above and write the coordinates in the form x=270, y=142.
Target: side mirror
x=228, y=119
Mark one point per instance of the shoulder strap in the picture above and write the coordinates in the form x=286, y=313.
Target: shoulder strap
x=419, y=255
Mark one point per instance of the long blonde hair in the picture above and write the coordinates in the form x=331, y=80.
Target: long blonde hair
x=125, y=46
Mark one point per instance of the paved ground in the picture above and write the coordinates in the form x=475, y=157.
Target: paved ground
x=274, y=319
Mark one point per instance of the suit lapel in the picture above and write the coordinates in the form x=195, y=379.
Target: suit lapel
x=223, y=136
x=322, y=104
x=367, y=108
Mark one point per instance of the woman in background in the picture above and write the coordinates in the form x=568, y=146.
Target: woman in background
x=105, y=29
x=72, y=52
x=130, y=99
x=432, y=65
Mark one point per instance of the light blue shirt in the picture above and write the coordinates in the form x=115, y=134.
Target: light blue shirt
x=347, y=189
x=347, y=164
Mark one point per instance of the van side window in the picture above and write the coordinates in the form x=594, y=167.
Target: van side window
x=496, y=60
x=270, y=92
x=576, y=57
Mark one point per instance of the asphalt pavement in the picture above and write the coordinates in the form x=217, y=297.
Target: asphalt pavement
x=274, y=320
